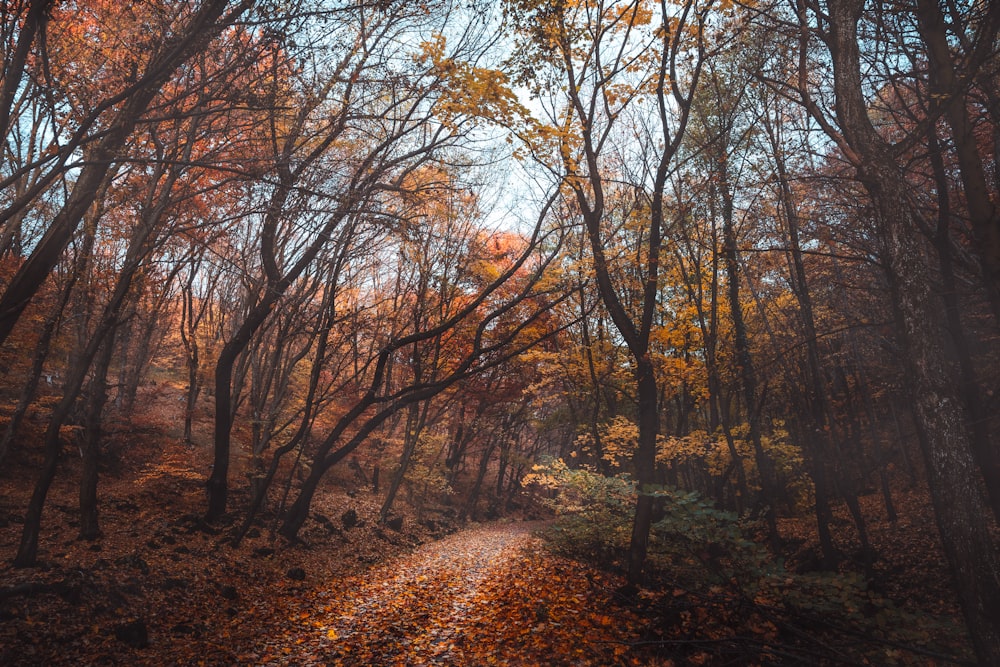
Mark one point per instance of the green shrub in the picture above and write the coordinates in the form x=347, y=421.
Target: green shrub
x=697, y=550
x=594, y=511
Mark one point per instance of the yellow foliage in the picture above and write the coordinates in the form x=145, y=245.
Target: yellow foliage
x=468, y=90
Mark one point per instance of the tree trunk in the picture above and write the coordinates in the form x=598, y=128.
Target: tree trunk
x=644, y=462
x=34, y=375
x=469, y=508
x=415, y=418
x=217, y=484
x=91, y=447
x=986, y=454
x=946, y=84
x=956, y=494
x=744, y=362
x=27, y=551
x=34, y=22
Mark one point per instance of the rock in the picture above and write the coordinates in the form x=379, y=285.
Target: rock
x=296, y=574
x=133, y=633
x=349, y=519
x=135, y=561
x=171, y=583
x=396, y=523
x=327, y=524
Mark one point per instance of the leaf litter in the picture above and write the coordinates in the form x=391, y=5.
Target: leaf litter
x=485, y=596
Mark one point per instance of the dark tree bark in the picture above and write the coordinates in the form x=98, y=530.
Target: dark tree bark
x=139, y=246
x=987, y=456
x=91, y=446
x=953, y=477
x=946, y=83
x=34, y=23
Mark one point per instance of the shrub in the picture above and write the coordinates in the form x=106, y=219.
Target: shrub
x=709, y=577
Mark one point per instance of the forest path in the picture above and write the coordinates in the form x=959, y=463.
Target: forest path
x=487, y=595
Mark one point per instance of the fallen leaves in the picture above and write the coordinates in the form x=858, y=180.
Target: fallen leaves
x=488, y=596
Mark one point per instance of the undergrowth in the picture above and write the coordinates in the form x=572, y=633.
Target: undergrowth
x=715, y=593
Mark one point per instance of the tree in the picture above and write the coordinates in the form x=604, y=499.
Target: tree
x=493, y=322
x=604, y=58
x=101, y=133
x=344, y=138
x=958, y=501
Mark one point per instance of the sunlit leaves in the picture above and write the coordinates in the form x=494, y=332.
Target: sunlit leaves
x=468, y=90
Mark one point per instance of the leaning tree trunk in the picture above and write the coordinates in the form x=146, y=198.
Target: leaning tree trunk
x=30, y=388
x=986, y=454
x=27, y=551
x=947, y=83
x=415, y=418
x=954, y=478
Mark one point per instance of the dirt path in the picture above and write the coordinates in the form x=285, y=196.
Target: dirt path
x=428, y=604
x=489, y=595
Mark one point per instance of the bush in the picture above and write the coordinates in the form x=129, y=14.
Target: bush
x=594, y=511
x=709, y=577
x=690, y=536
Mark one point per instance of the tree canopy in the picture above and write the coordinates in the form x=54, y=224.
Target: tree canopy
x=749, y=251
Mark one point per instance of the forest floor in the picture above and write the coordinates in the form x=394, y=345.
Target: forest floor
x=486, y=596
x=160, y=587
